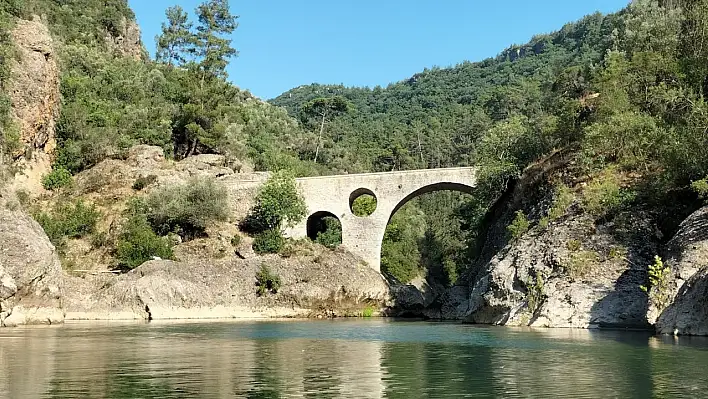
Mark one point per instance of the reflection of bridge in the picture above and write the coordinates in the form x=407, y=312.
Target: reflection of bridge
x=334, y=196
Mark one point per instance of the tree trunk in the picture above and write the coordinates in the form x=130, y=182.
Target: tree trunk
x=319, y=138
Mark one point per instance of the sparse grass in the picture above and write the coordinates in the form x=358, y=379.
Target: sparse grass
x=519, y=226
x=563, y=199
x=581, y=263
x=573, y=245
x=618, y=253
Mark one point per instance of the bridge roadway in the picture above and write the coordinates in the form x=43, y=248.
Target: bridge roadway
x=334, y=196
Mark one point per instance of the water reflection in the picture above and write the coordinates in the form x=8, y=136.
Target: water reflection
x=366, y=359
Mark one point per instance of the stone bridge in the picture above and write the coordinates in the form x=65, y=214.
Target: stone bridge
x=362, y=236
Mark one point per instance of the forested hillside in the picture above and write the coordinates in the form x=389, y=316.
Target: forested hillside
x=623, y=93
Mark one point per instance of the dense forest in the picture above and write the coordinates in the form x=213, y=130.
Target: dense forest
x=623, y=92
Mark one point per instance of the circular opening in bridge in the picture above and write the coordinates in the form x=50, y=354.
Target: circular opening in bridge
x=324, y=228
x=362, y=202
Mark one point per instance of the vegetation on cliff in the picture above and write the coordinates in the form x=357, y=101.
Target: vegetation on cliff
x=623, y=93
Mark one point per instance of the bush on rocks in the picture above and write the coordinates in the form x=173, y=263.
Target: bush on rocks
x=138, y=243
x=269, y=242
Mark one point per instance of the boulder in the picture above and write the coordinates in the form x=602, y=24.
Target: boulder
x=31, y=267
x=687, y=256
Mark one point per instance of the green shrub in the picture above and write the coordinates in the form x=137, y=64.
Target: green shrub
x=658, y=285
x=535, y=293
x=563, y=199
x=69, y=220
x=57, y=178
x=604, y=195
x=269, y=242
x=278, y=203
x=186, y=209
x=364, y=205
x=368, y=311
x=144, y=181
x=267, y=281
x=138, y=243
x=519, y=226
x=331, y=237
x=701, y=187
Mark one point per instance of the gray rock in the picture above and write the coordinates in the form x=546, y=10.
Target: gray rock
x=8, y=287
x=30, y=264
x=688, y=314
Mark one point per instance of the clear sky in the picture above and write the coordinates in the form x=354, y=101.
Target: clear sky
x=287, y=43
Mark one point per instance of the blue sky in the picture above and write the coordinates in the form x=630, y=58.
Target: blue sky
x=288, y=43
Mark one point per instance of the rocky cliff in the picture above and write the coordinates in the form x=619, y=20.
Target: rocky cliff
x=35, y=100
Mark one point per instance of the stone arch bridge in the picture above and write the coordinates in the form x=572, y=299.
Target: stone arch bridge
x=363, y=236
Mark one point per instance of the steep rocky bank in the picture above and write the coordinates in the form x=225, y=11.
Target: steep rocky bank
x=35, y=101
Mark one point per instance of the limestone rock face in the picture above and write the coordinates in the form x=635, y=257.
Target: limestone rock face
x=687, y=255
x=31, y=279
x=34, y=94
x=127, y=42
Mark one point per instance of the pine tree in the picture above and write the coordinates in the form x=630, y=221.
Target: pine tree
x=176, y=37
x=212, y=45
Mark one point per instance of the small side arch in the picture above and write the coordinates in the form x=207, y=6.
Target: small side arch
x=317, y=223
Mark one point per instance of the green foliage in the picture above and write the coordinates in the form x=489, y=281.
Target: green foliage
x=68, y=220
x=701, y=187
x=519, y=226
x=604, y=195
x=144, y=181
x=56, y=179
x=364, y=205
x=563, y=199
x=658, y=285
x=400, y=254
x=269, y=242
x=535, y=293
x=267, y=281
x=368, y=311
x=278, y=204
x=138, y=243
x=331, y=236
x=186, y=209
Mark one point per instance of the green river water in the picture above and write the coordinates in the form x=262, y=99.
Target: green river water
x=345, y=358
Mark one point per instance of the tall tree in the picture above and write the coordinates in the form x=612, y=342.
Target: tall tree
x=176, y=37
x=212, y=45
x=323, y=110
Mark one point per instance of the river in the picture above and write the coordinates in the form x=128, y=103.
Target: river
x=363, y=358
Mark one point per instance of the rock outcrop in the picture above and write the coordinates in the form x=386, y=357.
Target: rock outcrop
x=34, y=94
x=31, y=278
x=575, y=272
x=127, y=42
x=687, y=256
x=322, y=283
